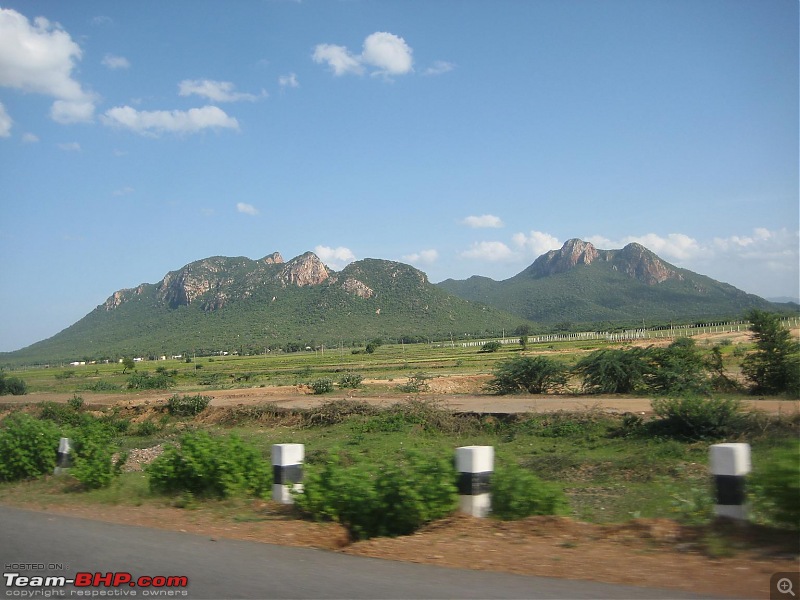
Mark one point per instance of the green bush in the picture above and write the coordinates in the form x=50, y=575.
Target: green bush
x=614, y=371
x=75, y=403
x=92, y=457
x=695, y=418
x=145, y=381
x=322, y=386
x=518, y=493
x=532, y=374
x=416, y=384
x=187, y=406
x=12, y=385
x=491, y=346
x=774, y=367
x=775, y=487
x=63, y=414
x=210, y=466
x=677, y=369
x=394, y=497
x=28, y=447
x=351, y=380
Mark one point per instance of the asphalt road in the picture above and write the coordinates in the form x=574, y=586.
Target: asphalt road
x=36, y=544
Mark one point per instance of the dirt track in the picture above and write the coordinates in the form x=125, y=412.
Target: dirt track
x=300, y=397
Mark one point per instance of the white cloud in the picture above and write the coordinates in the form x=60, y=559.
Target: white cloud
x=70, y=147
x=289, y=80
x=175, y=121
x=247, y=209
x=483, y=222
x=335, y=258
x=123, y=191
x=386, y=53
x=536, y=243
x=39, y=58
x=115, y=62
x=72, y=111
x=489, y=251
x=216, y=91
x=5, y=122
x=439, y=67
x=424, y=257
x=338, y=58
x=30, y=138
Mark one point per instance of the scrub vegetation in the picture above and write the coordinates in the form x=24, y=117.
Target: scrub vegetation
x=395, y=463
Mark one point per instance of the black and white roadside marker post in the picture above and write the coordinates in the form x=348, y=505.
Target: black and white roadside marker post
x=63, y=456
x=475, y=465
x=730, y=463
x=287, y=471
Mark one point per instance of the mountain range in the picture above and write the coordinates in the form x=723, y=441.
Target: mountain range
x=580, y=284
x=250, y=306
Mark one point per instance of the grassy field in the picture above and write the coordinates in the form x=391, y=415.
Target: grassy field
x=386, y=363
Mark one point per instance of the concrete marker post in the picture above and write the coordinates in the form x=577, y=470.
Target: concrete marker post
x=475, y=466
x=287, y=471
x=730, y=463
x=63, y=456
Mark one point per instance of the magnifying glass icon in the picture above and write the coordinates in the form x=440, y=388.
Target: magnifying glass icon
x=784, y=586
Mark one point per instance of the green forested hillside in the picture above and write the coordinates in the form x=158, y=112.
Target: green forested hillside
x=260, y=311
x=609, y=291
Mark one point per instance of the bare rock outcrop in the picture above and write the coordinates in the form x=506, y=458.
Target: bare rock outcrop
x=304, y=270
x=357, y=288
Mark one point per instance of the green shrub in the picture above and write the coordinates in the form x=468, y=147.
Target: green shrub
x=351, y=380
x=145, y=381
x=416, y=384
x=210, y=466
x=28, y=447
x=518, y=493
x=322, y=386
x=394, y=497
x=677, y=369
x=532, y=374
x=695, y=418
x=146, y=429
x=75, y=403
x=12, y=385
x=92, y=457
x=187, y=406
x=63, y=414
x=491, y=346
x=337, y=411
x=775, y=487
x=614, y=371
x=774, y=367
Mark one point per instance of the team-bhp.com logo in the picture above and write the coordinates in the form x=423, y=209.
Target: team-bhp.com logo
x=158, y=585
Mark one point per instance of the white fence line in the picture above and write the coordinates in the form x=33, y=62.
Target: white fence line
x=631, y=334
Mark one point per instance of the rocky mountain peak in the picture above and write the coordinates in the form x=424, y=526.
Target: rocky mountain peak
x=273, y=259
x=634, y=260
x=573, y=252
x=640, y=263
x=304, y=270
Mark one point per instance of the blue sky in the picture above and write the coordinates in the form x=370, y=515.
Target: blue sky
x=463, y=137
